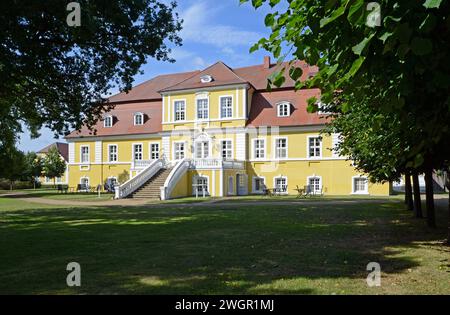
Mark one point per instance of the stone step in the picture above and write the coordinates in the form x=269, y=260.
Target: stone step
x=151, y=189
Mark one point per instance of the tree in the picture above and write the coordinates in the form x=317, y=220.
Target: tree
x=398, y=68
x=53, y=164
x=13, y=165
x=417, y=199
x=55, y=75
x=33, y=167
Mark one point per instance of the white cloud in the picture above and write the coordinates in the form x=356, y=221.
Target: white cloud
x=199, y=27
x=199, y=62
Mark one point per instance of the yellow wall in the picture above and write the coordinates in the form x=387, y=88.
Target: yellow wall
x=238, y=119
x=336, y=173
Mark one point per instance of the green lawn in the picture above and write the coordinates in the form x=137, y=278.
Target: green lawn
x=258, y=249
x=54, y=194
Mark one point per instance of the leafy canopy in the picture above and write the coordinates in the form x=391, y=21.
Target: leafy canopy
x=56, y=76
x=398, y=69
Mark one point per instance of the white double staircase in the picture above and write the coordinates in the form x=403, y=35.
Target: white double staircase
x=179, y=168
x=132, y=185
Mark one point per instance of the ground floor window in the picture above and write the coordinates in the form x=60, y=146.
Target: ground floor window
x=316, y=184
x=179, y=150
x=360, y=185
x=137, y=150
x=154, y=151
x=200, y=185
x=280, y=184
x=258, y=184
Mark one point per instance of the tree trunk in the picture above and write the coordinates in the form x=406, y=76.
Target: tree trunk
x=417, y=200
x=448, y=223
x=408, y=192
x=431, y=219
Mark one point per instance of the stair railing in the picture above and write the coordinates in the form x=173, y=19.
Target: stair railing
x=177, y=172
x=137, y=181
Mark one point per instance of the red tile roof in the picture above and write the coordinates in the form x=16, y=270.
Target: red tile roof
x=221, y=74
x=148, y=90
x=123, y=115
x=263, y=111
x=146, y=98
x=63, y=149
x=257, y=75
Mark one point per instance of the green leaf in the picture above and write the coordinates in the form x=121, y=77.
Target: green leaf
x=295, y=73
x=358, y=49
x=257, y=3
x=254, y=48
x=421, y=46
x=385, y=36
x=270, y=19
x=431, y=4
x=273, y=3
x=355, y=66
x=336, y=13
x=356, y=13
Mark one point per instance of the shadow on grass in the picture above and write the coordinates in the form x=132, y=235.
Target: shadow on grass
x=198, y=250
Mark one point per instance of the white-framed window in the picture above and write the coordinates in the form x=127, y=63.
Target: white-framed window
x=180, y=110
x=179, y=150
x=84, y=154
x=112, y=181
x=154, y=151
x=201, y=149
x=259, y=148
x=259, y=184
x=108, y=121
x=202, y=108
x=138, y=119
x=315, y=182
x=284, y=109
x=226, y=147
x=314, y=147
x=200, y=185
x=280, y=183
x=137, y=152
x=112, y=153
x=360, y=185
x=281, y=148
x=84, y=181
x=226, y=107
x=58, y=180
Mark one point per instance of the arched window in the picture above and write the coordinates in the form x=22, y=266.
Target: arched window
x=138, y=119
x=108, y=122
x=283, y=109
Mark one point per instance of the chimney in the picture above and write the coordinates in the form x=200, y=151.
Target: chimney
x=266, y=62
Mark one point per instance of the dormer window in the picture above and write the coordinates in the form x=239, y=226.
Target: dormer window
x=108, y=122
x=138, y=119
x=206, y=78
x=284, y=109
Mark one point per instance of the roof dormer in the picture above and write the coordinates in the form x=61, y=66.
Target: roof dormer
x=206, y=78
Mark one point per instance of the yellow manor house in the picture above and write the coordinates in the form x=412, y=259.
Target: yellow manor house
x=216, y=132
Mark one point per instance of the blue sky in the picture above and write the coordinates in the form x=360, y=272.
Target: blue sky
x=212, y=30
